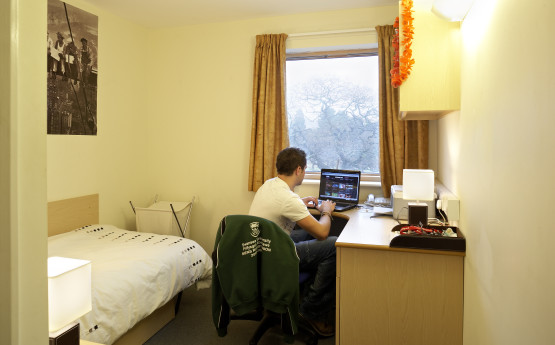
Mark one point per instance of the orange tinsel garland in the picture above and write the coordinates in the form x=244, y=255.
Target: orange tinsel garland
x=402, y=65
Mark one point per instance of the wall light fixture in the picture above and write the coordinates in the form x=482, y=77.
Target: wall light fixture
x=452, y=10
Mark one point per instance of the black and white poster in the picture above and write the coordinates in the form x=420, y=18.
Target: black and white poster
x=72, y=43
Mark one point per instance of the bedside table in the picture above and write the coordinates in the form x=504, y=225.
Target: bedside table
x=85, y=342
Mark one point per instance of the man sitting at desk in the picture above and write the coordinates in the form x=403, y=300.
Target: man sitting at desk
x=276, y=200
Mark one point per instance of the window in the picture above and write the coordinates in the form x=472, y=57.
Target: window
x=333, y=109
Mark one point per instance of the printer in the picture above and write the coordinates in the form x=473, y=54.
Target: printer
x=401, y=206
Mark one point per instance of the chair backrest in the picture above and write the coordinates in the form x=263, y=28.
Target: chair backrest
x=255, y=265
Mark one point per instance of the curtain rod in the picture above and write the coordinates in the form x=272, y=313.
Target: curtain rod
x=332, y=32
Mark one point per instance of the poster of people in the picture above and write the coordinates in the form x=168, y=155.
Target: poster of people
x=72, y=43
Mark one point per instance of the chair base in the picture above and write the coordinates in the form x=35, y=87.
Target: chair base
x=274, y=319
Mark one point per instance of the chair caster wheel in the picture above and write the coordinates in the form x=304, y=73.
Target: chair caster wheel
x=312, y=341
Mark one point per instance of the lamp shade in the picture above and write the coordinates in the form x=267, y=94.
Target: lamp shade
x=418, y=184
x=452, y=10
x=69, y=291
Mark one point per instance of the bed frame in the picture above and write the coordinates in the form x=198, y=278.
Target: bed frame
x=68, y=214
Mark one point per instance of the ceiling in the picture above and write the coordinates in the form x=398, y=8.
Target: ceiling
x=168, y=13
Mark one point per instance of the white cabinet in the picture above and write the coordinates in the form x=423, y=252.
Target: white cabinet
x=432, y=89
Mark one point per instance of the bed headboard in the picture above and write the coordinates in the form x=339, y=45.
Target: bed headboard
x=68, y=214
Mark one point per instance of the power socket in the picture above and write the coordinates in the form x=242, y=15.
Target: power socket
x=450, y=203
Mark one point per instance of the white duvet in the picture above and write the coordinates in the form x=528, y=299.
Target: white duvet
x=133, y=274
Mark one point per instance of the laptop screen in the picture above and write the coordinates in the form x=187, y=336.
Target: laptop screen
x=340, y=185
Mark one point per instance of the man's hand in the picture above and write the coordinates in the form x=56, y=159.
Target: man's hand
x=310, y=201
x=326, y=206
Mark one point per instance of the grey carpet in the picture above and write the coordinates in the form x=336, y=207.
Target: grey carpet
x=193, y=325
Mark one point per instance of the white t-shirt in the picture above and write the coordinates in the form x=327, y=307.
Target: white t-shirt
x=276, y=202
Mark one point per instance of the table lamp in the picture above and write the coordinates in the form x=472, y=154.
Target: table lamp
x=69, y=298
x=418, y=185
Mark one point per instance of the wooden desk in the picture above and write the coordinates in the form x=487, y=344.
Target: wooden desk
x=85, y=342
x=394, y=296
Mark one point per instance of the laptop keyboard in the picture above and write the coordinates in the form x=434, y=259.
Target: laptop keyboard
x=337, y=204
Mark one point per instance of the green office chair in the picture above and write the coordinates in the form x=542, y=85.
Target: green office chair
x=256, y=273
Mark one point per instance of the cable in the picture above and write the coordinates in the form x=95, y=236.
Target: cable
x=398, y=213
x=444, y=216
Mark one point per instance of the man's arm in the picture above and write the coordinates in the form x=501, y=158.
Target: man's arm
x=319, y=229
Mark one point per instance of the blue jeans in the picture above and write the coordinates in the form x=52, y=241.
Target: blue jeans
x=317, y=257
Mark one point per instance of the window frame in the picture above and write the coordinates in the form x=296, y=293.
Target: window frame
x=335, y=54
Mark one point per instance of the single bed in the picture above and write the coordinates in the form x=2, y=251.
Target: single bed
x=136, y=277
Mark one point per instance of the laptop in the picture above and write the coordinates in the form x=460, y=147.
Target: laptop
x=340, y=186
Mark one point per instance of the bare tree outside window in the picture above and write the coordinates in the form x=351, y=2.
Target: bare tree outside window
x=332, y=110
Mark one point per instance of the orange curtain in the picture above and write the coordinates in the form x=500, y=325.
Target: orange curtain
x=269, y=119
x=403, y=144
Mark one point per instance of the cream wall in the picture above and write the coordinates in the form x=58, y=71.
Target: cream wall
x=5, y=168
x=200, y=108
x=112, y=163
x=23, y=290
x=496, y=154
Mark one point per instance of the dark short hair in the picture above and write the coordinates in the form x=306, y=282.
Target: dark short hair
x=289, y=159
